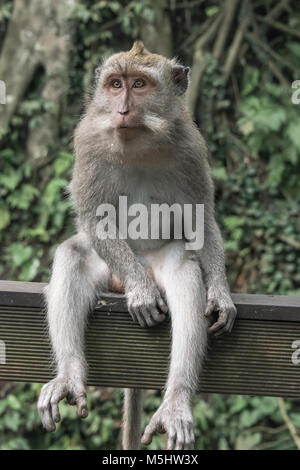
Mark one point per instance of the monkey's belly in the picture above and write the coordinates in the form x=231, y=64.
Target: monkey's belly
x=115, y=284
x=143, y=246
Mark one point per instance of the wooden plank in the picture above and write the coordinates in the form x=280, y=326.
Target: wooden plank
x=251, y=306
x=254, y=360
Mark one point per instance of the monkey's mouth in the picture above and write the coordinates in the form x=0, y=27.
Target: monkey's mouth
x=130, y=130
x=127, y=132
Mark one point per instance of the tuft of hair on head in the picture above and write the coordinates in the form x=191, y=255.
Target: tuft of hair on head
x=138, y=48
x=140, y=55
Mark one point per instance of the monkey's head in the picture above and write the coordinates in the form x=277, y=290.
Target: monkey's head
x=138, y=92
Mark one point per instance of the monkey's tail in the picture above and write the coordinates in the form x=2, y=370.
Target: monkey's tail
x=132, y=417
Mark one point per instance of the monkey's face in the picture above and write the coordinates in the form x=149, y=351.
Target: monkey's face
x=128, y=95
x=138, y=93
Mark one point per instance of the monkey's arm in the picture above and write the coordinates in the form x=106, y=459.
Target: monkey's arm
x=212, y=260
x=211, y=256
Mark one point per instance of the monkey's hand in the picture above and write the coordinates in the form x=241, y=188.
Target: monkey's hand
x=55, y=391
x=145, y=303
x=175, y=418
x=219, y=300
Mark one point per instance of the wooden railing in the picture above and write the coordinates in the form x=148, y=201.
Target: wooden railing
x=255, y=359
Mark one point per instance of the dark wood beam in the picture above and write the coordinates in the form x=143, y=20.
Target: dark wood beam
x=255, y=359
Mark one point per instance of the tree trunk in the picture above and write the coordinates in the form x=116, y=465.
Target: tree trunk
x=39, y=35
x=157, y=36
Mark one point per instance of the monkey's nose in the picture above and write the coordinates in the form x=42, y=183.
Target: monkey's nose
x=124, y=112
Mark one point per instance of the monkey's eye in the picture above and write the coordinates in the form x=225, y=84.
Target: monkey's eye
x=139, y=83
x=116, y=83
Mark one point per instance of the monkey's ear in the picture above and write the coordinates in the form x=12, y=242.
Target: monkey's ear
x=180, y=75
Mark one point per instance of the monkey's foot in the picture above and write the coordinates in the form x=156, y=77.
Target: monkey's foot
x=55, y=391
x=176, y=420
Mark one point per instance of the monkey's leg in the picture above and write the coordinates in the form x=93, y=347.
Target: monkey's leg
x=182, y=282
x=77, y=274
x=133, y=407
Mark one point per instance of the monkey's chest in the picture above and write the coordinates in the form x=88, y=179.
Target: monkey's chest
x=148, y=217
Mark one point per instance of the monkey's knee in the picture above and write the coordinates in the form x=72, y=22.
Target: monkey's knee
x=77, y=264
x=73, y=249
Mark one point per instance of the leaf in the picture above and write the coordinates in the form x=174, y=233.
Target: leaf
x=12, y=420
x=275, y=170
x=63, y=163
x=30, y=270
x=248, y=441
x=21, y=199
x=250, y=80
x=20, y=254
x=239, y=403
x=52, y=191
x=220, y=173
x=293, y=132
x=13, y=402
x=11, y=178
x=4, y=218
x=249, y=418
x=270, y=118
x=233, y=222
x=223, y=444
x=211, y=11
x=246, y=126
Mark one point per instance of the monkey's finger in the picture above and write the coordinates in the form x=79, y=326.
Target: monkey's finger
x=44, y=409
x=58, y=394
x=55, y=412
x=232, y=317
x=232, y=320
x=227, y=318
x=226, y=329
x=133, y=314
x=148, y=433
x=82, y=409
x=140, y=318
x=210, y=307
x=162, y=305
x=157, y=315
x=148, y=318
x=180, y=438
x=221, y=332
x=171, y=439
x=47, y=420
x=189, y=438
x=218, y=325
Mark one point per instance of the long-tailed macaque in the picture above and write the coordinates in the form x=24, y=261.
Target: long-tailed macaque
x=138, y=140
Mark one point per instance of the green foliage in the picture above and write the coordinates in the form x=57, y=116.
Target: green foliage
x=257, y=176
x=20, y=426
x=221, y=422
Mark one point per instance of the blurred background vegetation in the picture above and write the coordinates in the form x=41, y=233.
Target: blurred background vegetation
x=244, y=56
